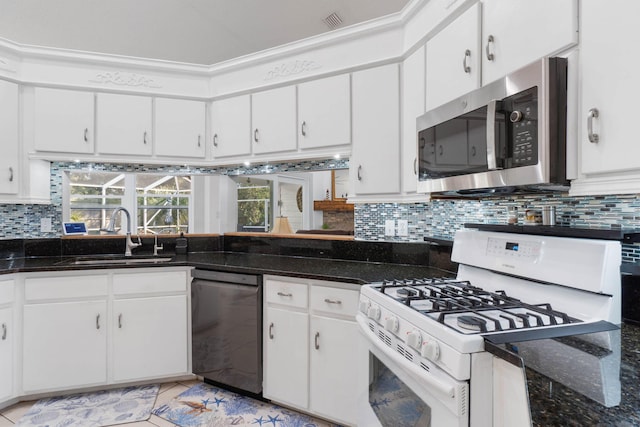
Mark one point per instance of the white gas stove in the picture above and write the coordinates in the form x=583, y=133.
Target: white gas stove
x=439, y=337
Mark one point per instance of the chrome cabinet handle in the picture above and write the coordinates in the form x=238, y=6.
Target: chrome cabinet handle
x=215, y=140
x=465, y=66
x=317, y=341
x=10, y=173
x=144, y=137
x=593, y=113
x=256, y=135
x=4, y=331
x=490, y=55
x=86, y=134
x=473, y=151
x=198, y=140
x=332, y=301
x=271, y=331
x=120, y=321
x=359, y=172
x=415, y=166
x=283, y=294
x=98, y=321
x=303, y=129
x=440, y=150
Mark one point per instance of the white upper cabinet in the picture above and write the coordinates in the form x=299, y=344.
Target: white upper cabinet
x=123, y=124
x=413, y=105
x=231, y=127
x=63, y=121
x=609, y=83
x=180, y=128
x=453, y=59
x=517, y=32
x=375, y=153
x=324, y=108
x=9, y=161
x=273, y=115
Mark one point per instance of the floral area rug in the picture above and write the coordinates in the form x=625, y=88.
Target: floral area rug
x=97, y=409
x=205, y=405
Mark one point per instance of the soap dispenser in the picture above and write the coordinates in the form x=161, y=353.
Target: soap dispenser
x=181, y=245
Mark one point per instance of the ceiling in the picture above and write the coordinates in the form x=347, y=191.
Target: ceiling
x=191, y=31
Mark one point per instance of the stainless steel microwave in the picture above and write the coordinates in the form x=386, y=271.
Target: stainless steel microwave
x=508, y=134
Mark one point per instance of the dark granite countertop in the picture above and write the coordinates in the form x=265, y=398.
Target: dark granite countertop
x=358, y=272
x=554, y=404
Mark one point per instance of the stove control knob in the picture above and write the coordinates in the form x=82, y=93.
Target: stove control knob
x=364, y=306
x=414, y=340
x=374, y=312
x=431, y=350
x=392, y=324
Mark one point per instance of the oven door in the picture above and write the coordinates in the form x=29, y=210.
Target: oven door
x=394, y=392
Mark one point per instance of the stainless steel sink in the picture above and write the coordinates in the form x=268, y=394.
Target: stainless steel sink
x=119, y=260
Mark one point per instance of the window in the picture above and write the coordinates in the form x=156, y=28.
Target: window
x=254, y=204
x=159, y=204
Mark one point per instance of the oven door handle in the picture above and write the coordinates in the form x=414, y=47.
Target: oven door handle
x=434, y=383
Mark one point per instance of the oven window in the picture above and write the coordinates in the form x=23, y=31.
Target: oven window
x=394, y=404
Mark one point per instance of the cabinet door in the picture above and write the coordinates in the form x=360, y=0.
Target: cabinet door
x=9, y=137
x=65, y=345
x=324, y=112
x=375, y=159
x=273, y=116
x=333, y=373
x=453, y=59
x=123, y=124
x=7, y=333
x=286, y=357
x=609, y=81
x=413, y=105
x=180, y=128
x=149, y=337
x=63, y=121
x=518, y=32
x=231, y=126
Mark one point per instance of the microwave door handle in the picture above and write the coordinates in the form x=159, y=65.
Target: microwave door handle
x=492, y=163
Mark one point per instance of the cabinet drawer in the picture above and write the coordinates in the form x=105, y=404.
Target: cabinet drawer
x=140, y=283
x=64, y=287
x=334, y=300
x=6, y=291
x=286, y=293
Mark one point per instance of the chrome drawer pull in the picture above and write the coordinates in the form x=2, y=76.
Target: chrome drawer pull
x=120, y=321
x=332, y=301
x=271, y=331
x=317, y=343
x=490, y=55
x=10, y=174
x=283, y=294
x=4, y=331
x=86, y=134
x=465, y=66
x=593, y=114
x=98, y=321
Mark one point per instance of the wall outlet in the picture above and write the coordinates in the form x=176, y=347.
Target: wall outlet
x=403, y=227
x=389, y=227
x=45, y=225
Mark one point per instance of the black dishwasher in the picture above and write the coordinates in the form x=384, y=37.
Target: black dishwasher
x=226, y=315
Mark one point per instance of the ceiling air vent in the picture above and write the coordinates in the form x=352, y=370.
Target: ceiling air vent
x=333, y=21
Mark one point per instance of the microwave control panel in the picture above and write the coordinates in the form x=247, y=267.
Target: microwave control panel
x=521, y=115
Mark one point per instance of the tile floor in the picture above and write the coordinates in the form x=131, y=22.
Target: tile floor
x=9, y=416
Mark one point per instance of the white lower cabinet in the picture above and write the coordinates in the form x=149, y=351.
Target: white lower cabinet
x=149, y=338
x=104, y=327
x=287, y=361
x=7, y=340
x=65, y=345
x=309, y=358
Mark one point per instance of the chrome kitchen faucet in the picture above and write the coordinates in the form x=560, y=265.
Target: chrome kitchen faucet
x=111, y=228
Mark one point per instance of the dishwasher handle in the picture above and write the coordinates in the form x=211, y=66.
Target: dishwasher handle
x=227, y=277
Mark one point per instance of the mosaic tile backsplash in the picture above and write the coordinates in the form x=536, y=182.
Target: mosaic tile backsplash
x=437, y=218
